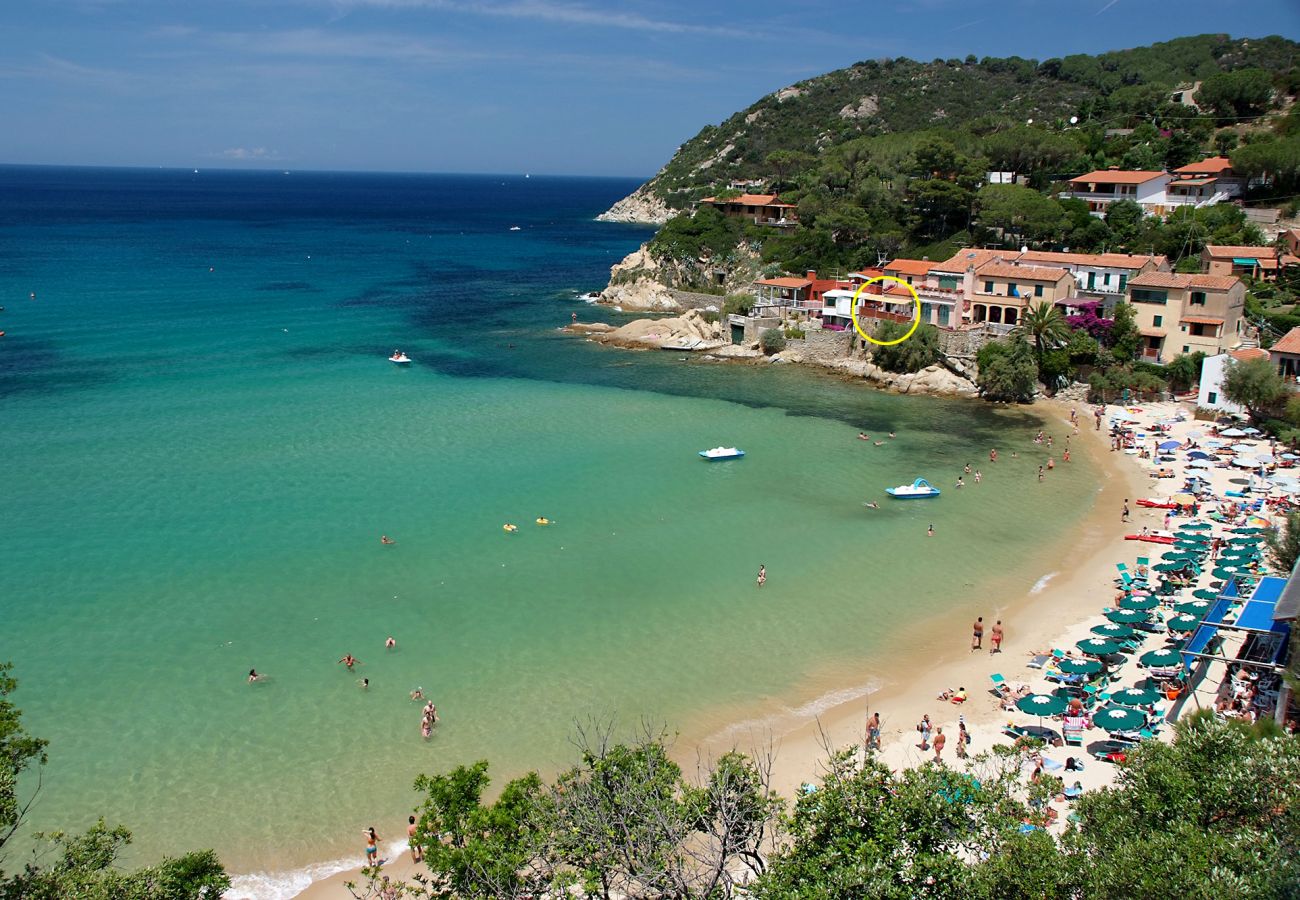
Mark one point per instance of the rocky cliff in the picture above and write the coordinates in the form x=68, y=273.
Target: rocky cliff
x=640, y=206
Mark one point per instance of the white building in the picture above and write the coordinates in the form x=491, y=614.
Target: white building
x=1213, y=369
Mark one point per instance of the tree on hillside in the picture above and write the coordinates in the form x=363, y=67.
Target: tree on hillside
x=82, y=866
x=784, y=163
x=1184, y=370
x=1124, y=219
x=1022, y=214
x=1277, y=159
x=1254, y=384
x=1245, y=92
x=1284, y=544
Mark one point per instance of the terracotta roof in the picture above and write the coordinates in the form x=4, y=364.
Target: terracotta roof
x=910, y=266
x=1192, y=182
x=1201, y=320
x=1115, y=176
x=1290, y=342
x=1212, y=166
x=972, y=256
x=1230, y=250
x=999, y=269
x=786, y=282
x=1178, y=280
x=1249, y=353
x=1104, y=260
x=751, y=200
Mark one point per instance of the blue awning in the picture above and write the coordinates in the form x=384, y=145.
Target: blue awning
x=1244, y=261
x=1257, y=614
x=1209, y=627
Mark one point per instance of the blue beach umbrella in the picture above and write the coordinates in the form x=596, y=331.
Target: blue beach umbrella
x=1167, y=445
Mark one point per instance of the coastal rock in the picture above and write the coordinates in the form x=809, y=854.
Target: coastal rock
x=588, y=328
x=688, y=332
x=642, y=294
x=641, y=206
x=938, y=380
x=737, y=351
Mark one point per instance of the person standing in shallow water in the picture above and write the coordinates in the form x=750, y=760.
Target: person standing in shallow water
x=762, y=574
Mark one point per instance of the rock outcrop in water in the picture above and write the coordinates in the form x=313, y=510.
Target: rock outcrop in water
x=641, y=206
x=691, y=331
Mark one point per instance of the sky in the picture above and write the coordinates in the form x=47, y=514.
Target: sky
x=569, y=87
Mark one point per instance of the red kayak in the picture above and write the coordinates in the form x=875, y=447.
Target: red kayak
x=1149, y=538
x=1157, y=504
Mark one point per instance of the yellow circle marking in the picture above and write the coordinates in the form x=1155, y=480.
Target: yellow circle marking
x=853, y=310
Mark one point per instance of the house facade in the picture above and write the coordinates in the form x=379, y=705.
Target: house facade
x=1103, y=187
x=1255, y=262
x=780, y=296
x=1098, y=276
x=761, y=209
x=1179, y=314
x=1286, y=355
x=1217, y=172
x=1209, y=394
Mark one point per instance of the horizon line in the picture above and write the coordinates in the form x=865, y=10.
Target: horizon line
x=314, y=171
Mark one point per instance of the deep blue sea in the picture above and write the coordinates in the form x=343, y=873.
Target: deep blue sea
x=202, y=442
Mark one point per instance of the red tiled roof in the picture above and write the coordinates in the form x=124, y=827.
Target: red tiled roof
x=786, y=282
x=973, y=256
x=1290, y=342
x=910, y=266
x=751, y=200
x=1201, y=320
x=1249, y=353
x=1215, y=165
x=1115, y=176
x=999, y=269
x=1192, y=182
x=1231, y=250
x=1104, y=260
x=1181, y=281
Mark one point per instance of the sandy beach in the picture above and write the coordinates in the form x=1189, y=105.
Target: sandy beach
x=935, y=655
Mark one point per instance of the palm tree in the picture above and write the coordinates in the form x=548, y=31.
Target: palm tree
x=1044, y=324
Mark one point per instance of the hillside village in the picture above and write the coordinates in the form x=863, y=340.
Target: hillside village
x=1177, y=247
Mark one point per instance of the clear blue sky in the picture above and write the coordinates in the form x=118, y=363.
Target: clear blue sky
x=545, y=86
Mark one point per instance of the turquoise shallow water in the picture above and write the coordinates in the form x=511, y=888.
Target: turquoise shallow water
x=199, y=464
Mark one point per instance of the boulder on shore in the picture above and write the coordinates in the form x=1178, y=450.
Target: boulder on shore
x=687, y=332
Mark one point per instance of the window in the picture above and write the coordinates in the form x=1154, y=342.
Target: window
x=1158, y=321
x=1186, y=349
x=1212, y=397
x=988, y=287
x=947, y=283
x=1123, y=280
x=1106, y=280
x=1198, y=298
x=1038, y=290
x=1142, y=295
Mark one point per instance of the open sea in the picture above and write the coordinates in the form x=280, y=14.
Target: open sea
x=202, y=440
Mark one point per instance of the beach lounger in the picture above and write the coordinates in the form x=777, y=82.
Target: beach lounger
x=1038, y=661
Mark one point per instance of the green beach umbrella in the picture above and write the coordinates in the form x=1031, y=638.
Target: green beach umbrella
x=1041, y=705
x=1127, y=616
x=1136, y=697
x=1226, y=572
x=1183, y=623
x=1193, y=541
x=1182, y=554
x=1251, y=530
x=1161, y=659
x=1111, y=630
x=1195, y=526
x=1239, y=556
x=1118, y=718
x=1080, y=666
x=1147, y=602
x=1097, y=646
x=1194, y=607
x=1205, y=594
x=1172, y=566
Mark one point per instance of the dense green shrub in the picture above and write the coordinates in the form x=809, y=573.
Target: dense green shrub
x=772, y=340
x=913, y=354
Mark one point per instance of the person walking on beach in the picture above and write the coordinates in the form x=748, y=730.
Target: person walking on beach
x=762, y=574
x=939, y=741
x=417, y=852
x=372, y=846
x=977, y=636
x=873, y=732
x=963, y=738
x=1126, y=513
x=924, y=727
x=995, y=640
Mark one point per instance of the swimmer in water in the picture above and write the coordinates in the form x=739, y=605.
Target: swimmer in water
x=253, y=676
x=385, y=539
x=391, y=643
x=930, y=532
x=872, y=505
x=365, y=684
x=880, y=443
x=891, y=434
x=417, y=694
x=349, y=660
x=863, y=436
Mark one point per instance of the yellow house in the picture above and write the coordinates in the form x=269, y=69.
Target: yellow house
x=1180, y=314
x=1003, y=290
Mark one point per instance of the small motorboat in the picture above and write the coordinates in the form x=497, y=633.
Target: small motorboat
x=721, y=453
x=515, y=228
x=917, y=490
x=400, y=358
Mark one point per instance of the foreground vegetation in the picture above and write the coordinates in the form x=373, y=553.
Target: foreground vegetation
x=85, y=866
x=1214, y=813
